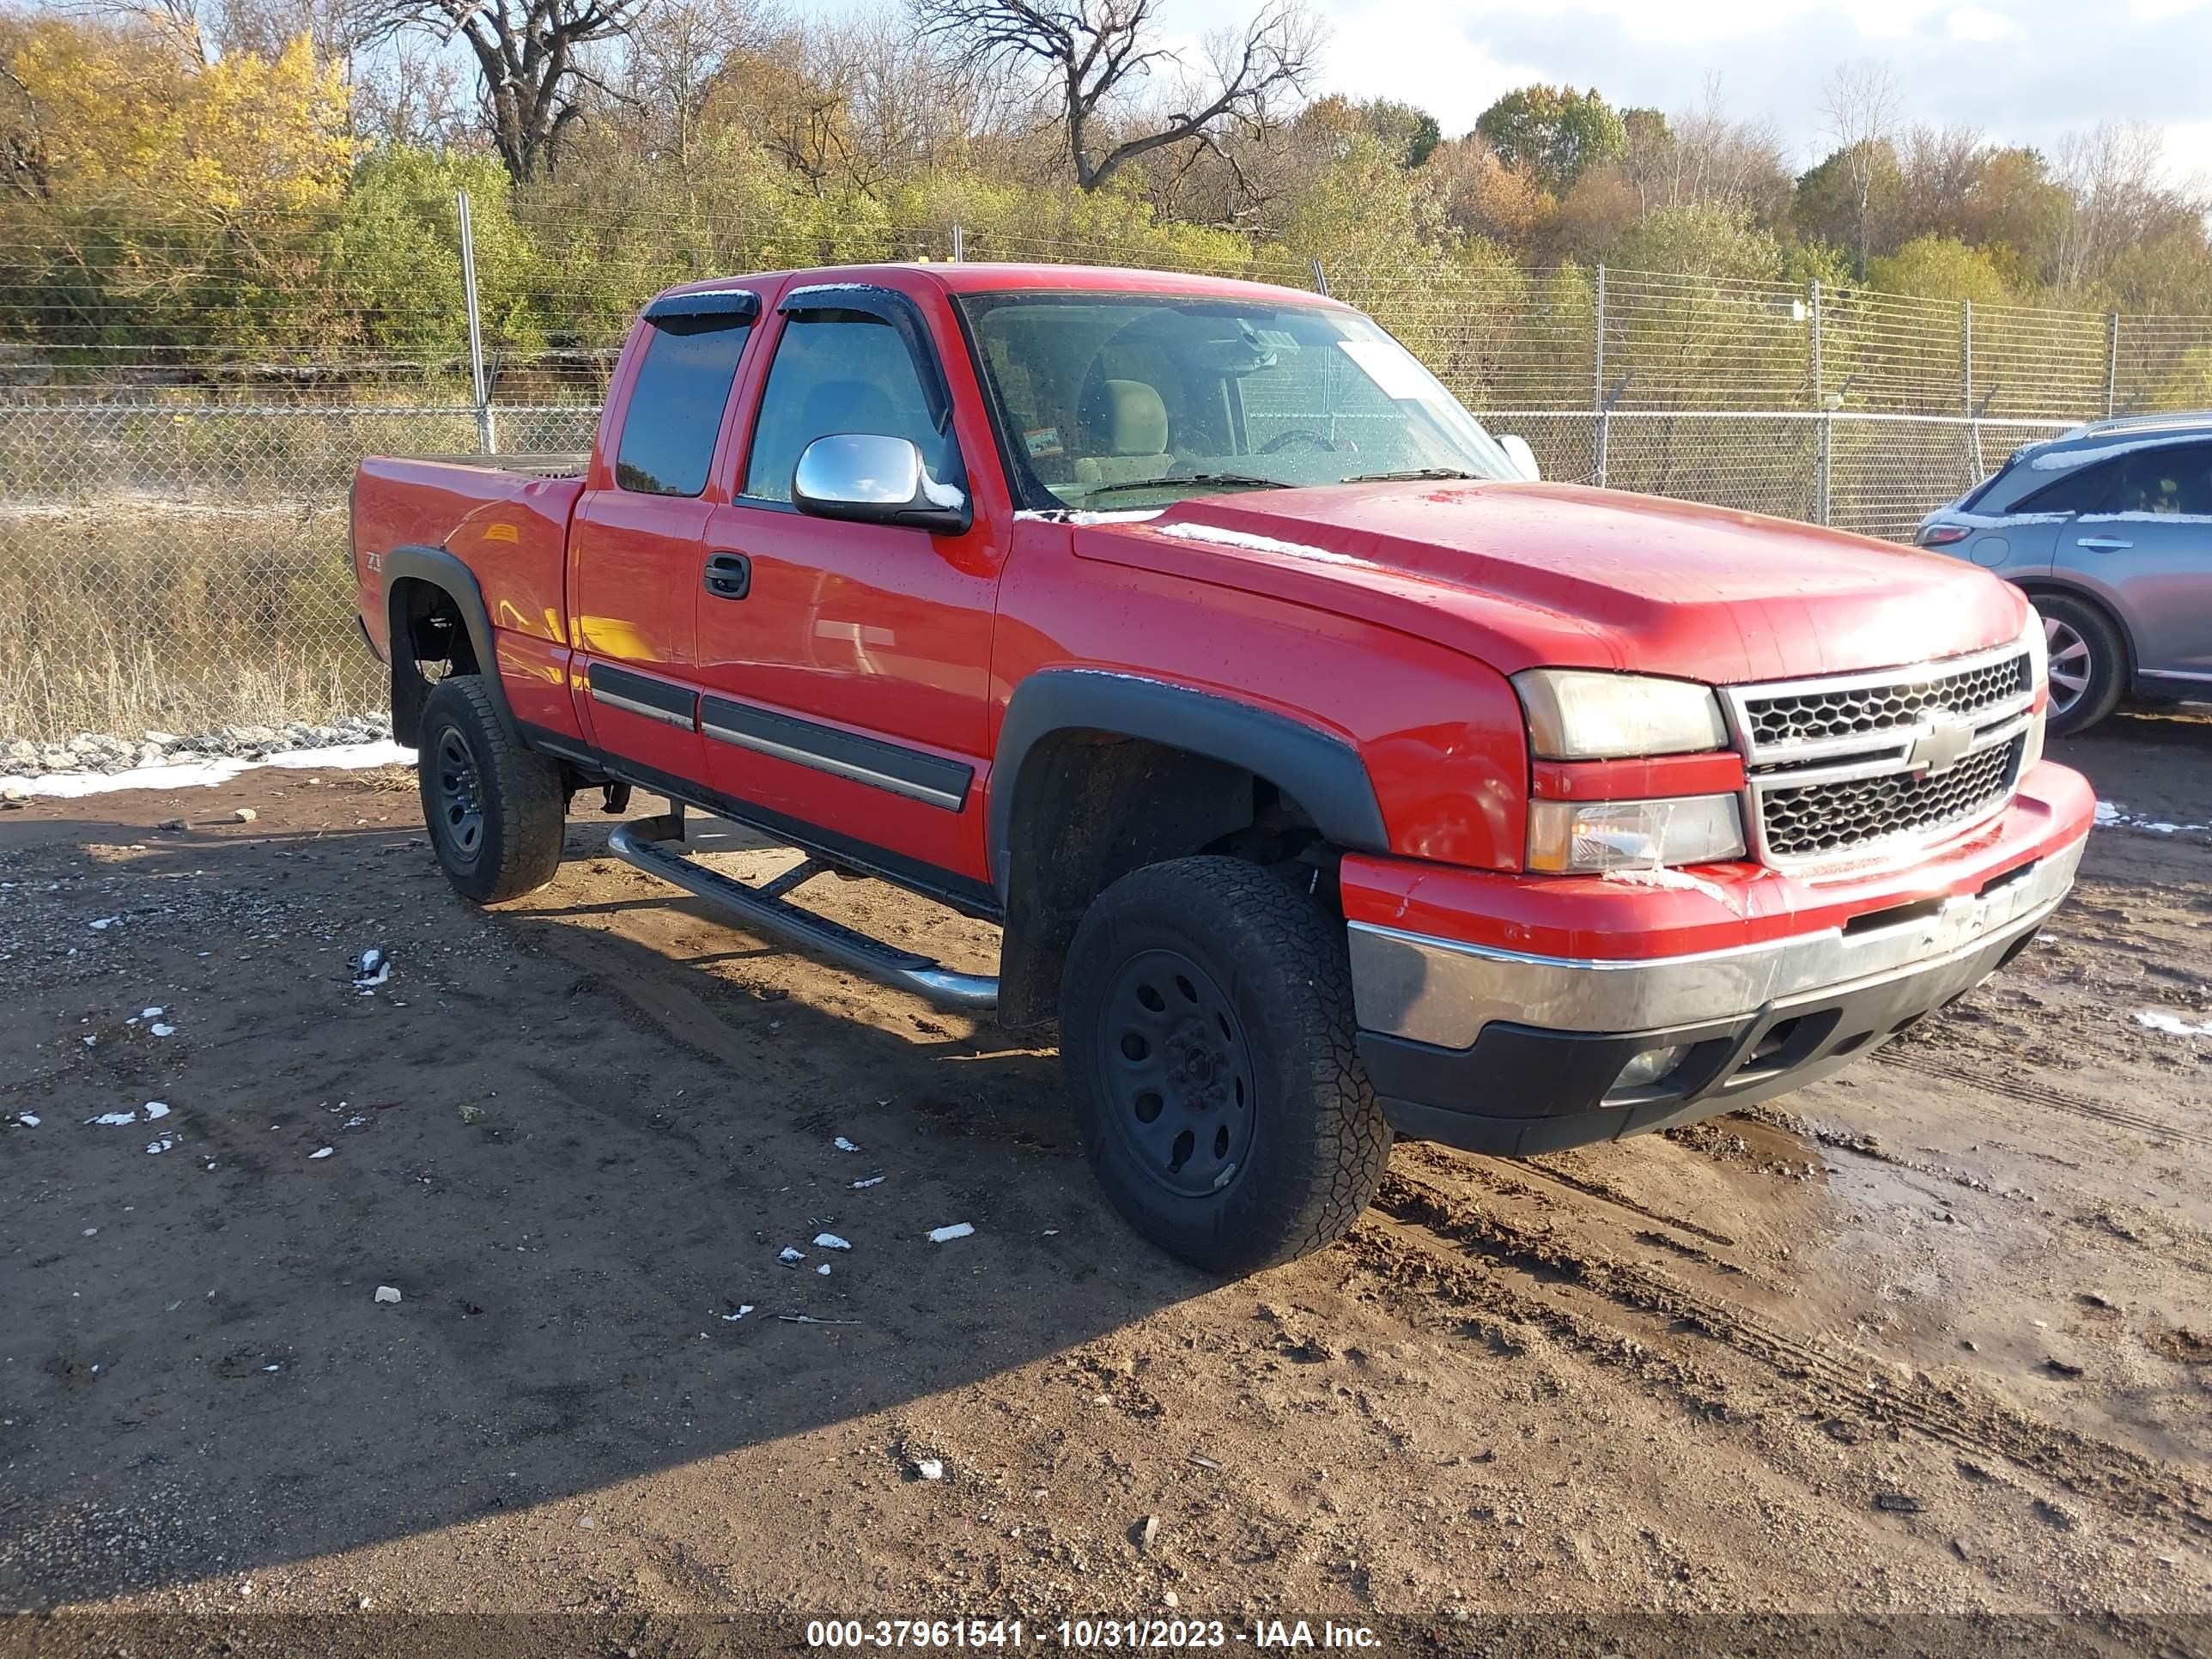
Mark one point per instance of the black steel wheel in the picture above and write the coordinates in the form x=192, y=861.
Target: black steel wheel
x=496, y=811
x=456, y=796
x=1175, y=1071
x=1208, y=1042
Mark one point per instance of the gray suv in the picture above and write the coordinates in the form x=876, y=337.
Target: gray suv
x=2108, y=530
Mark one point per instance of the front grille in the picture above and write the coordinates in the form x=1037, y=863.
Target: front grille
x=1808, y=820
x=1816, y=714
x=1846, y=761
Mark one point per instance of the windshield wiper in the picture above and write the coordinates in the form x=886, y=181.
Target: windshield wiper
x=1247, y=480
x=1416, y=475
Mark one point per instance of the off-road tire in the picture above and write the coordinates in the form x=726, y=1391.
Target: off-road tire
x=511, y=844
x=2108, y=661
x=1315, y=1143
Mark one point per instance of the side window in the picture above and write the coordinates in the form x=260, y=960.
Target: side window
x=2171, y=479
x=2085, y=490
x=837, y=372
x=676, y=407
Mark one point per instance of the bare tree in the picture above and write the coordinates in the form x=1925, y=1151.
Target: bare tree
x=1093, y=59
x=179, y=23
x=2112, y=174
x=530, y=61
x=1859, y=112
x=674, y=58
x=1706, y=155
x=25, y=165
x=413, y=91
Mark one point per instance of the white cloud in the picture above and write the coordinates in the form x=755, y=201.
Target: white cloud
x=2027, y=71
x=1979, y=24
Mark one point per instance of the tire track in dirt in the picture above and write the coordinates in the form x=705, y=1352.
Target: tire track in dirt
x=1437, y=1235
x=2031, y=1093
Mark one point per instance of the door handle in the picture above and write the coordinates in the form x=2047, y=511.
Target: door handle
x=2103, y=543
x=729, y=575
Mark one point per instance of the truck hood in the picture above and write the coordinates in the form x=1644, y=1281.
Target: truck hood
x=1525, y=574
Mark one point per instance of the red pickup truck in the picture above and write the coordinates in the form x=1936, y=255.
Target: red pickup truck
x=1328, y=778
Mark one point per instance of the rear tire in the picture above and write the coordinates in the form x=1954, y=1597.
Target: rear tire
x=497, y=812
x=2088, y=662
x=1207, y=1037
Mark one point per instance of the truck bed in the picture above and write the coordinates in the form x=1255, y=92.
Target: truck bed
x=504, y=517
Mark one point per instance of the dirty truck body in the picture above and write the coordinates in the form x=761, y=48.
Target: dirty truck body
x=1328, y=778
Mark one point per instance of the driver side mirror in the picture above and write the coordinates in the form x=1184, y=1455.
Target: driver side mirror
x=865, y=478
x=1517, y=451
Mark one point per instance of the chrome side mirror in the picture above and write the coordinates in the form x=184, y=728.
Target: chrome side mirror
x=865, y=478
x=1517, y=451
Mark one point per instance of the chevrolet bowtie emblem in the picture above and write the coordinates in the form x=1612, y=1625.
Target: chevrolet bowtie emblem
x=1943, y=745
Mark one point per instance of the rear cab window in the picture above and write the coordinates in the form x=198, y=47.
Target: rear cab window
x=676, y=403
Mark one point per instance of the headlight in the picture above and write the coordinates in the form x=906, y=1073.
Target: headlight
x=1575, y=714
x=1588, y=837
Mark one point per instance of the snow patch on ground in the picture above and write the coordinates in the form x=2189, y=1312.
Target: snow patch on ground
x=207, y=773
x=2173, y=1024
x=2110, y=815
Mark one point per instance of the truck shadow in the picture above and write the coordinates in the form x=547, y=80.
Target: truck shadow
x=575, y=1156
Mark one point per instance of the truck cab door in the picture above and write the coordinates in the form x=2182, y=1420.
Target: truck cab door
x=633, y=545
x=846, y=666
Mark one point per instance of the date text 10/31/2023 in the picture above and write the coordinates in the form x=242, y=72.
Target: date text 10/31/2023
x=1165, y=1635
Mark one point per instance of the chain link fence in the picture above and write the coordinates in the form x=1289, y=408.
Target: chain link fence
x=175, y=556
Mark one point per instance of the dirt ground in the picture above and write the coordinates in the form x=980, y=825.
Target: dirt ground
x=1933, y=1337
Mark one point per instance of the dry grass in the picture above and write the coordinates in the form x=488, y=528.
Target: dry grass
x=130, y=615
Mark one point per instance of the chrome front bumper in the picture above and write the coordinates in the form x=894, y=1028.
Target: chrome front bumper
x=1444, y=993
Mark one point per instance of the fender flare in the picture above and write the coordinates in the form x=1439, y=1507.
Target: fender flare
x=1321, y=770
x=436, y=567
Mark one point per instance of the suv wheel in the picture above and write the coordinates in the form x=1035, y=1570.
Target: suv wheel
x=495, y=810
x=1206, y=1032
x=2089, y=663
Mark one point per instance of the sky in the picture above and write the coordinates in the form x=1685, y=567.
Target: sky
x=2024, y=71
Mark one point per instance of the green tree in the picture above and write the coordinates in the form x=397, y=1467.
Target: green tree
x=1850, y=199
x=1556, y=132
x=1940, y=268
x=1410, y=134
x=1701, y=239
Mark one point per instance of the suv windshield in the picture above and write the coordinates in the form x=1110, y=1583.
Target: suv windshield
x=1117, y=401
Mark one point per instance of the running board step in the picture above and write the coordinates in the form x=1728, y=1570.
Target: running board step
x=656, y=845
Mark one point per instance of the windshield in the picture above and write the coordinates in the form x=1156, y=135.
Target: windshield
x=1115, y=402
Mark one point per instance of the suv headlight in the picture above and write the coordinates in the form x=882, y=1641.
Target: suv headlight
x=1576, y=714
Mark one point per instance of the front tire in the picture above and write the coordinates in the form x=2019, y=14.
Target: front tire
x=2089, y=663
x=1207, y=1037
x=495, y=810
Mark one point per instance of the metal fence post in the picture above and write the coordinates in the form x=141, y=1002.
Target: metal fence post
x=2111, y=359
x=959, y=242
x=1824, y=435
x=1321, y=278
x=1966, y=386
x=1604, y=414
x=487, y=438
